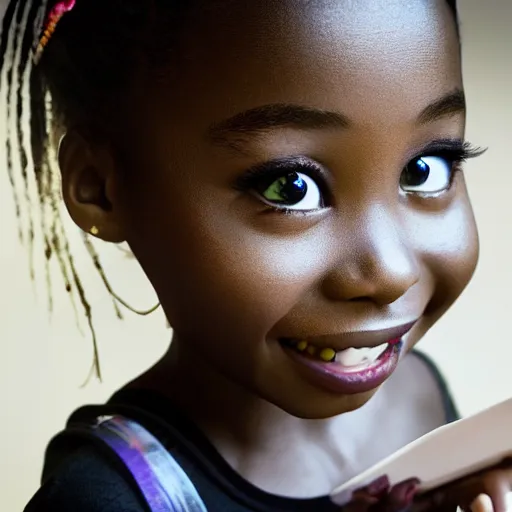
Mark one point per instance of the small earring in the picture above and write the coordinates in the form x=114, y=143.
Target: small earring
x=94, y=231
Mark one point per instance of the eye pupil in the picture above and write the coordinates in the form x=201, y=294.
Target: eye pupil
x=289, y=189
x=415, y=174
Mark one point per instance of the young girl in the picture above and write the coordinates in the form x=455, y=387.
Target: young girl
x=288, y=174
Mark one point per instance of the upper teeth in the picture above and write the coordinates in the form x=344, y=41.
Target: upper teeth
x=356, y=356
x=348, y=357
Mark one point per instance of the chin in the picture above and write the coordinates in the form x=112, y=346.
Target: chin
x=321, y=408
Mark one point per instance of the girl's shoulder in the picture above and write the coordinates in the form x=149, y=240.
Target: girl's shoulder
x=84, y=473
x=87, y=481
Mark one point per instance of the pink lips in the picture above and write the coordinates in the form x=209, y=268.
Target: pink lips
x=337, y=379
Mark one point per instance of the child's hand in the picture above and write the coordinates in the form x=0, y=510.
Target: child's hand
x=485, y=491
x=482, y=492
x=379, y=496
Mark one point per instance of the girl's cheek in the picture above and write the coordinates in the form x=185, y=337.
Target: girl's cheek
x=449, y=246
x=265, y=276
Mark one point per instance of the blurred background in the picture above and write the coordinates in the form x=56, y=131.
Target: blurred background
x=45, y=359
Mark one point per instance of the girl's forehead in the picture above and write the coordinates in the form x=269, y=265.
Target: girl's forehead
x=373, y=29
x=349, y=55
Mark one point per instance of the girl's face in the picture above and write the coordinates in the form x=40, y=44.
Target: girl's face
x=281, y=193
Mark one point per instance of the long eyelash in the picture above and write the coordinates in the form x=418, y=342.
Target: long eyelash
x=454, y=150
x=276, y=168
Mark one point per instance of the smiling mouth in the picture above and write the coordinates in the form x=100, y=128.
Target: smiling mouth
x=351, y=348
x=348, y=363
x=350, y=358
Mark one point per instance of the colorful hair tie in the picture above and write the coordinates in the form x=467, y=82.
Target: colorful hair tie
x=50, y=24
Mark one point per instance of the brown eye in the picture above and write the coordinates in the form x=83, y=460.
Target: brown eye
x=427, y=175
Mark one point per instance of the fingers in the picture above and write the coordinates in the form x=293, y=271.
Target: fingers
x=483, y=492
x=483, y=503
x=367, y=496
x=400, y=496
x=486, y=492
x=494, y=486
x=378, y=497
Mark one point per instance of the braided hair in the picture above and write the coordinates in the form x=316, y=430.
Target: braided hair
x=95, y=51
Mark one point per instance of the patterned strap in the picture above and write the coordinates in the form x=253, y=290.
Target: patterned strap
x=164, y=484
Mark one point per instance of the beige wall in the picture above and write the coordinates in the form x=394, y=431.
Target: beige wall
x=44, y=362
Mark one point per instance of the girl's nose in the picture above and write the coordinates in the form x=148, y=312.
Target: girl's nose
x=376, y=264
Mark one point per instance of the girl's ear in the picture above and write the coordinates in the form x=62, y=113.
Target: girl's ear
x=90, y=186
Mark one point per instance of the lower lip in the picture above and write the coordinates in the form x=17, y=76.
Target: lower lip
x=338, y=379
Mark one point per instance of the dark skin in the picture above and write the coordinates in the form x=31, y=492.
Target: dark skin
x=235, y=276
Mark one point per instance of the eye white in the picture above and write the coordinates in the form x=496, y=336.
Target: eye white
x=438, y=178
x=313, y=198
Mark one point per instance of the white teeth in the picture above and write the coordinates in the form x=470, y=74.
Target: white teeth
x=357, y=356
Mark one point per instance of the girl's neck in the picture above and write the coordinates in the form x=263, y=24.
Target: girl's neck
x=272, y=449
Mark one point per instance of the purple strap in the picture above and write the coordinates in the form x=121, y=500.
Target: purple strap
x=164, y=484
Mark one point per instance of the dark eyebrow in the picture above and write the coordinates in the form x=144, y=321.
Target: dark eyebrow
x=256, y=121
x=449, y=105
x=278, y=115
